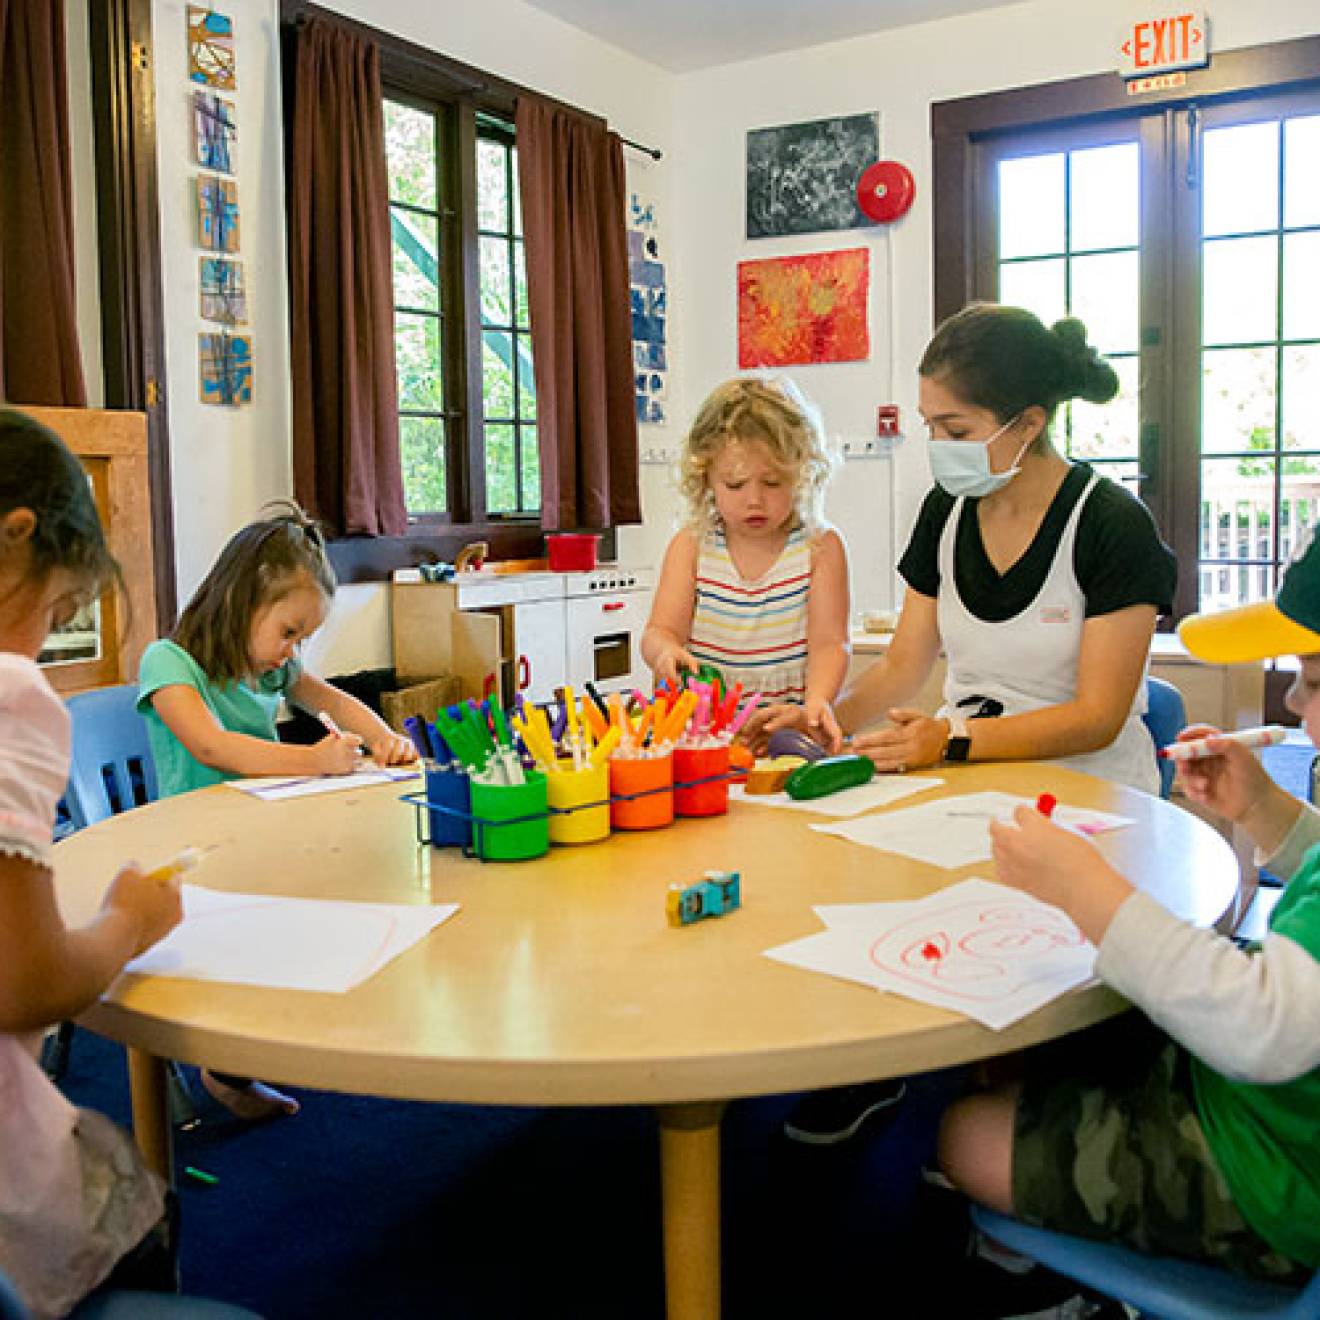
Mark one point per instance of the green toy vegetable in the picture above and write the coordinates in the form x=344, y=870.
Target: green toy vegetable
x=819, y=779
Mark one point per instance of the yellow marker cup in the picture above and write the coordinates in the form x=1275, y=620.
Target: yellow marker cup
x=569, y=792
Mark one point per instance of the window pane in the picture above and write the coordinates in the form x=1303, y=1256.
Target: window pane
x=1301, y=286
x=1301, y=176
x=422, y=445
x=1240, y=166
x=417, y=362
x=1301, y=397
x=492, y=188
x=415, y=247
x=1237, y=523
x=517, y=193
x=1107, y=430
x=1037, y=286
x=1031, y=208
x=1105, y=295
x=1299, y=504
x=501, y=479
x=497, y=374
x=1104, y=211
x=1239, y=290
x=526, y=379
x=520, y=275
x=496, y=285
x=410, y=153
x=531, y=470
x=1237, y=400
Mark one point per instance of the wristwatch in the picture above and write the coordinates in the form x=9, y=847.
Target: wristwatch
x=959, y=746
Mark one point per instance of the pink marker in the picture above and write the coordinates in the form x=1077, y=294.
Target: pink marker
x=1197, y=748
x=744, y=715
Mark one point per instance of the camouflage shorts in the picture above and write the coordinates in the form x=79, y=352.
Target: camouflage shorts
x=1125, y=1160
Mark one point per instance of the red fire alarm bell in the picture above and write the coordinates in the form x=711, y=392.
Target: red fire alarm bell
x=885, y=190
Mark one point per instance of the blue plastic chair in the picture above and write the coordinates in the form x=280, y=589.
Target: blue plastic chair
x=112, y=766
x=112, y=770
x=1165, y=717
x=1159, y=1287
x=122, y=1305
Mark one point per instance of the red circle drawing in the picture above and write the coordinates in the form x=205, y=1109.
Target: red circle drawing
x=885, y=190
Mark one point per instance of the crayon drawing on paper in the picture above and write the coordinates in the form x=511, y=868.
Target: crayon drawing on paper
x=217, y=213
x=795, y=310
x=225, y=368
x=223, y=295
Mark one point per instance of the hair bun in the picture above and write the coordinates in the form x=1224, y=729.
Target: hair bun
x=1084, y=373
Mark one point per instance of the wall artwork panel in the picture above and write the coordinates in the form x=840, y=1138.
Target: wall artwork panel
x=223, y=295
x=217, y=213
x=802, y=178
x=225, y=368
x=215, y=133
x=211, y=48
x=649, y=310
x=796, y=310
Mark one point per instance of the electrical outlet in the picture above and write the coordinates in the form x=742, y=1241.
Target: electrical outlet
x=871, y=447
x=654, y=455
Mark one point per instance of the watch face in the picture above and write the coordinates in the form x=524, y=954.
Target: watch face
x=958, y=749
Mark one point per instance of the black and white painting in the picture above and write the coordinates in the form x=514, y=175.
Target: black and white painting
x=802, y=178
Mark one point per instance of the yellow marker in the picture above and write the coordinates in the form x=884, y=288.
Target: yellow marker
x=606, y=745
x=570, y=711
x=184, y=861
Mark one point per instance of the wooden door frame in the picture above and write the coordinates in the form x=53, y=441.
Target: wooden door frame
x=128, y=239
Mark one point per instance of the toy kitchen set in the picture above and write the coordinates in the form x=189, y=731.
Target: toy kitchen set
x=515, y=632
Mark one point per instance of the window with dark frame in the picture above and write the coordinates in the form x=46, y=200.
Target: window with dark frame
x=1183, y=232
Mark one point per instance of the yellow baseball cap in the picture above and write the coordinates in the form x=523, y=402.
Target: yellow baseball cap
x=1287, y=625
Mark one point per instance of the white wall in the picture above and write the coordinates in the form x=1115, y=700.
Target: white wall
x=900, y=74
x=226, y=462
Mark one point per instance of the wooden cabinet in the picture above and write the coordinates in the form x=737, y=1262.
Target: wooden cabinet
x=106, y=644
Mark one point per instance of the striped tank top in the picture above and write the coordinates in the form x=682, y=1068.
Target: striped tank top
x=754, y=632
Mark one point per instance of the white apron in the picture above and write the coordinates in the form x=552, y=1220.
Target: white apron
x=1029, y=661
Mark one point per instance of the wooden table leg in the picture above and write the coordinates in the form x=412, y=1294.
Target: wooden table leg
x=690, y=1191
x=151, y=1111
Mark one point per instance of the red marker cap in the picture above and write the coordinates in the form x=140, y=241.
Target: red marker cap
x=1046, y=803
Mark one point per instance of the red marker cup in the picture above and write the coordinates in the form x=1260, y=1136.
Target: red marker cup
x=1046, y=803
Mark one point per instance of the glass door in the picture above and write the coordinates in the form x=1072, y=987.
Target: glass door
x=1254, y=171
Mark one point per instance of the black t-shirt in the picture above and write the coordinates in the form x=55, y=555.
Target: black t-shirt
x=1118, y=557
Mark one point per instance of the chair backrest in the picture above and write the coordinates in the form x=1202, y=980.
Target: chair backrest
x=1165, y=717
x=112, y=768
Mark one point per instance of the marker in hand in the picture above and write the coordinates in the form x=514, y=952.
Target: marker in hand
x=1046, y=803
x=183, y=861
x=329, y=721
x=1197, y=748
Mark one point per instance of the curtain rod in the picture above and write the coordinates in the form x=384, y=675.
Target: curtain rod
x=654, y=152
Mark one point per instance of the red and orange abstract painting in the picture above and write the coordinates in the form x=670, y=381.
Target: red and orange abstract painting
x=794, y=310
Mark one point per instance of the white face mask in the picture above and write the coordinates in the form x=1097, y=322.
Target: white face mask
x=962, y=467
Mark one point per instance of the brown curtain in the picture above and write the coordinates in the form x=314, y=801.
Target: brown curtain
x=40, y=361
x=346, y=464
x=574, y=193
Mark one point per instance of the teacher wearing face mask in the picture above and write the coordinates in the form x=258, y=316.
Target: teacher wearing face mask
x=1039, y=579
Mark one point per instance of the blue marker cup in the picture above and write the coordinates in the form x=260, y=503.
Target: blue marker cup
x=449, y=801
x=510, y=822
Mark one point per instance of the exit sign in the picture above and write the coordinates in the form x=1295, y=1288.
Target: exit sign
x=1160, y=45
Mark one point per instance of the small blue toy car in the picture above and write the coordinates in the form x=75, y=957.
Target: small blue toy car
x=716, y=893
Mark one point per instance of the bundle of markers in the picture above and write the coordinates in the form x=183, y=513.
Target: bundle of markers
x=473, y=738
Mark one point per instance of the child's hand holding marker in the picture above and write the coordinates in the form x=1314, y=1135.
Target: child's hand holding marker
x=151, y=901
x=1224, y=776
x=338, y=754
x=1058, y=866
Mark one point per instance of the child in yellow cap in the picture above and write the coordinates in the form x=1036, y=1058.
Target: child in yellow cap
x=1202, y=1142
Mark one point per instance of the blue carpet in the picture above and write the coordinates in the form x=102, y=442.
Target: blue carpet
x=373, y=1208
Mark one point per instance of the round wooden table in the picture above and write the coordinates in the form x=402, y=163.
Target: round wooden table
x=559, y=981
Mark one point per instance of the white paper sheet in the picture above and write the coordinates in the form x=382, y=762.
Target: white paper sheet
x=274, y=788
x=879, y=792
x=977, y=948
x=954, y=831
x=286, y=943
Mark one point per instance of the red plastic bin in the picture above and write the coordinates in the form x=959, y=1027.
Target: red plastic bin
x=571, y=552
